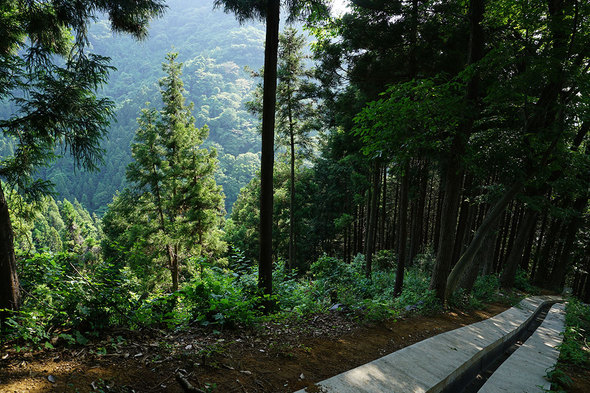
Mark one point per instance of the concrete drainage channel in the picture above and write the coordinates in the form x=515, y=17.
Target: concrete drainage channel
x=474, y=377
x=461, y=360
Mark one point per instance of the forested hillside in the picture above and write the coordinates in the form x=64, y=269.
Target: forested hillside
x=215, y=49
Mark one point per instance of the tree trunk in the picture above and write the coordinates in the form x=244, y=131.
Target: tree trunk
x=486, y=227
x=382, y=241
x=428, y=214
x=526, y=256
x=417, y=230
x=372, y=220
x=516, y=216
x=267, y=154
x=403, y=228
x=561, y=264
x=9, y=284
x=500, y=241
x=464, y=212
x=539, y=243
x=483, y=261
x=448, y=225
x=516, y=253
x=292, y=261
x=543, y=267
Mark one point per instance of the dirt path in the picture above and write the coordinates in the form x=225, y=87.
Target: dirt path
x=275, y=358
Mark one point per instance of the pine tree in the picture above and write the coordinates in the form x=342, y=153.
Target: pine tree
x=173, y=179
x=51, y=80
x=295, y=113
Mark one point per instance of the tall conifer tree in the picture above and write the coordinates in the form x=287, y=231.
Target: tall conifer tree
x=173, y=178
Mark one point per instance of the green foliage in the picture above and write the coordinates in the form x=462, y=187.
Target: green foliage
x=52, y=225
x=384, y=260
x=174, y=208
x=573, y=349
x=61, y=291
x=486, y=288
x=522, y=282
x=215, y=49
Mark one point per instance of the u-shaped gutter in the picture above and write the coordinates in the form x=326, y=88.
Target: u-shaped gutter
x=434, y=364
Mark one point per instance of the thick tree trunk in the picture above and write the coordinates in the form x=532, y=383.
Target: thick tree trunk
x=446, y=240
x=267, y=153
x=486, y=227
x=403, y=225
x=516, y=253
x=440, y=278
x=9, y=284
x=483, y=261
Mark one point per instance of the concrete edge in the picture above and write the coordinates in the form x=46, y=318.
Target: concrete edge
x=496, y=344
x=542, y=348
x=531, y=304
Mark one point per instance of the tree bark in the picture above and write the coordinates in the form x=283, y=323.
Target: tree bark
x=539, y=243
x=486, y=227
x=561, y=264
x=464, y=212
x=417, y=229
x=267, y=153
x=444, y=260
x=9, y=284
x=483, y=260
x=516, y=253
x=372, y=220
x=543, y=267
x=403, y=225
x=382, y=240
x=448, y=225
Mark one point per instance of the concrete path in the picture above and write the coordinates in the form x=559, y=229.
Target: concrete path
x=432, y=364
x=525, y=369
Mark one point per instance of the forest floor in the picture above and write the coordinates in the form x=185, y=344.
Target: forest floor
x=276, y=357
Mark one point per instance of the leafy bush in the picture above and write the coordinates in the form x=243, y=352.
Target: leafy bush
x=217, y=298
x=59, y=290
x=486, y=288
x=385, y=260
x=577, y=333
x=521, y=281
x=416, y=295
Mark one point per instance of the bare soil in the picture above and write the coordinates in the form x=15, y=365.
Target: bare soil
x=278, y=357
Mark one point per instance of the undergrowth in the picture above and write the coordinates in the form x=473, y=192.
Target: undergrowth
x=574, y=350
x=69, y=300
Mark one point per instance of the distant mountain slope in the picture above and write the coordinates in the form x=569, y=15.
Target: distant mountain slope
x=215, y=49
